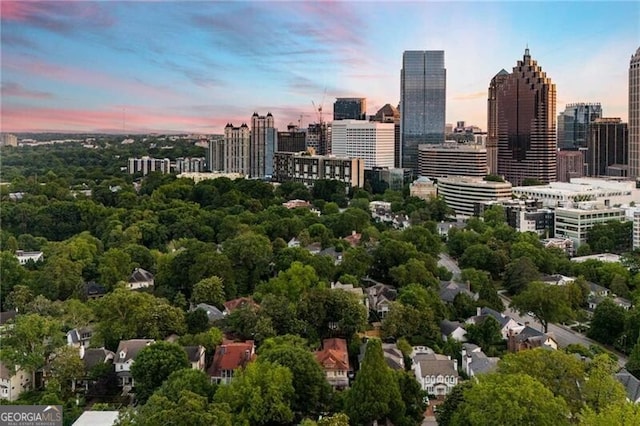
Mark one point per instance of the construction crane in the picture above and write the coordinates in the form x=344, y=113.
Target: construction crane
x=318, y=109
x=300, y=120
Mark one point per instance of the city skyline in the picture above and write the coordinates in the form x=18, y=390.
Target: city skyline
x=196, y=66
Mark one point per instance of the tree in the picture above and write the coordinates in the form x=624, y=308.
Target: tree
x=413, y=398
x=375, y=394
x=561, y=373
x=625, y=414
x=209, y=290
x=115, y=266
x=154, y=364
x=66, y=366
x=251, y=254
x=547, y=303
x=331, y=313
x=446, y=410
x=13, y=274
x=186, y=379
x=190, y=409
x=30, y=341
x=290, y=283
x=417, y=325
x=519, y=273
x=259, y=394
x=633, y=363
x=510, y=399
x=602, y=389
x=311, y=388
x=485, y=334
x=607, y=323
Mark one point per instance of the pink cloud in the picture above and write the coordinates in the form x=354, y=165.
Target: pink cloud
x=23, y=119
x=59, y=17
x=17, y=90
x=85, y=77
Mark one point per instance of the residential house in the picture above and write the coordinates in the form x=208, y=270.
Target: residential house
x=140, y=278
x=436, y=373
x=392, y=355
x=78, y=337
x=556, y=279
x=25, y=256
x=92, y=359
x=631, y=385
x=93, y=290
x=214, y=314
x=334, y=359
x=314, y=248
x=349, y=288
x=506, y=323
x=13, y=381
x=229, y=357
x=6, y=320
x=530, y=338
x=293, y=242
x=232, y=305
x=453, y=330
x=333, y=254
x=196, y=356
x=450, y=289
x=475, y=362
x=379, y=297
x=125, y=356
x=353, y=239
x=97, y=418
x=594, y=301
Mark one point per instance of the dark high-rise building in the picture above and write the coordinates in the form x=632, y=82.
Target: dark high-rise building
x=319, y=138
x=262, y=147
x=492, y=121
x=634, y=115
x=608, y=149
x=526, y=120
x=350, y=109
x=293, y=140
x=390, y=114
x=215, y=155
x=423, y=81
x=573, y=124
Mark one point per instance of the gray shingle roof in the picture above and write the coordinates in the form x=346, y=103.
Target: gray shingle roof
x=630, y=383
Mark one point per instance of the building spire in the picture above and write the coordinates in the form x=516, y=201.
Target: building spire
x=526, y=51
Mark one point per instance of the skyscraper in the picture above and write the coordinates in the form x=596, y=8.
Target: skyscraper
x=350, y=109
x=423, y=81
x=236, y=148
x=368, y=140
x=492, y=121
x=634, y=115
x=390, y=114
x=573, y=124
x=526, y=111
x=263, y=142
x=608, y=147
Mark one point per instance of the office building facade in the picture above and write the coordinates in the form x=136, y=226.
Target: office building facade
x=215, y=155
x=573, y=124
x=369, y=140
x=492, y=121
x=350, y=109
x=391, y=114
x=237, y=141
x=634, y=115
x=608, y=148
x=463, y=193
x=575, y=223
x=263, y=144
x=305, y=168
x=423, y=81
x=452, y=159
x=570, y=164
x=293, y=140
x=526, y=115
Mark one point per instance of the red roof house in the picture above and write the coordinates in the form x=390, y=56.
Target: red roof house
x=228, y=358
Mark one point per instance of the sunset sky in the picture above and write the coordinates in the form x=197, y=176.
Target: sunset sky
x=195, y=66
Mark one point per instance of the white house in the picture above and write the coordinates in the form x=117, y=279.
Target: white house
x=475, y=362
x=13, y=381
x=125, y=356
x=25, y=256
x=140, y=278
x=437, y=374
x=454, y=330
x=507, y=323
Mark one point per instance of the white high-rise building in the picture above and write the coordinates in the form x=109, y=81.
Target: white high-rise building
x=634, y=115
x=636, y=230
x=369, y=140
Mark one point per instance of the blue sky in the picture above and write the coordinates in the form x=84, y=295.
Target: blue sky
x=194, y=66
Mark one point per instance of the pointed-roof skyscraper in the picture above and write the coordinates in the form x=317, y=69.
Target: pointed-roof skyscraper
x=634, y=115
x=525, y=111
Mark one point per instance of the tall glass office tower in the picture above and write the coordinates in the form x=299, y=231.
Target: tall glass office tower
x=423, y=88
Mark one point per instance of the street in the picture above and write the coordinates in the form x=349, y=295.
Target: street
x=451, y=265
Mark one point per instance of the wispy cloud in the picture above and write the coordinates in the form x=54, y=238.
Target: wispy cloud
x=61, y=17
x=17, y=90
x=469, y=96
